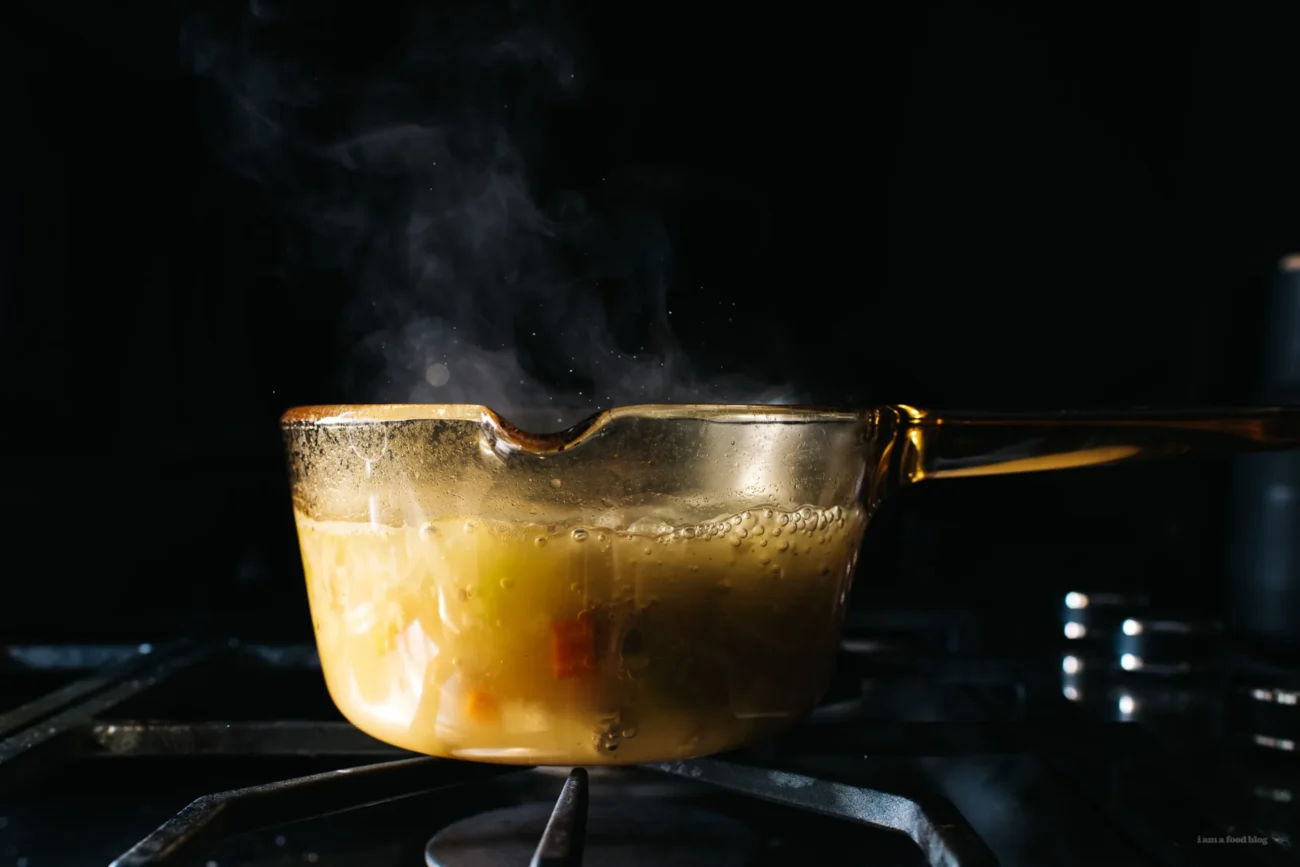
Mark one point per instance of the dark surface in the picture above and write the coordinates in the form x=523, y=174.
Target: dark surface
x=965, y=204
x=1134, y=773
x=623, y=833
x=987, y=205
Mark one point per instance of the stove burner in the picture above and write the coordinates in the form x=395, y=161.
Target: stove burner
x=625, y=832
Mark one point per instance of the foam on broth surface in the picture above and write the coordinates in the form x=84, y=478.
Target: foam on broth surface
x=560, y=644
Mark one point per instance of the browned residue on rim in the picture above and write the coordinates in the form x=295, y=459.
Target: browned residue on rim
x=346, y=414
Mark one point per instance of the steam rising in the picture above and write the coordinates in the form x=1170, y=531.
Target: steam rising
x=408, y=173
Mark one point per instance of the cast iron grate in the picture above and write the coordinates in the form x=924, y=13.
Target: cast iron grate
x=62, y=726
x=940, y=832
x=1149, y=804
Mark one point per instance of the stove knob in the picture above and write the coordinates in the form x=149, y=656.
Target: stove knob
x=1083, y=678
x=1271, y=716
x=1089, y=620
x=1166, y=645
x=1189, y=710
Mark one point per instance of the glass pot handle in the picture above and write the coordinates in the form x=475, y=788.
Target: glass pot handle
x=935, y=444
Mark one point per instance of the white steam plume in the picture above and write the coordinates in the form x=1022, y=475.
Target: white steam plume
x=407, y=171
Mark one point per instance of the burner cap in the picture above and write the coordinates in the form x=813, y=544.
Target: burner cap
x=627, y=832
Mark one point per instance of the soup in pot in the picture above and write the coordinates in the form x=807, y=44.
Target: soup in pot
x=556, y=644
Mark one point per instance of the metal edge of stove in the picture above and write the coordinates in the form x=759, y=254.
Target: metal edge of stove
x=68, y=657
x=343, y=739
x=101, y=657
x=939, y=831
x=938, y=828
x=298, y=799
x=53, y=729
x=565, y=836
x=77, y=727
x=242, y=738
x=57, y=726
x=943, y=835
x=107, y=666
x=59, y=733
x=873, y=737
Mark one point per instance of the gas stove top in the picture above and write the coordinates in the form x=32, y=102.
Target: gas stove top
x=924, y=752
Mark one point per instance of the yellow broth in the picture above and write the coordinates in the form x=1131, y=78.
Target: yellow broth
x=532, y=644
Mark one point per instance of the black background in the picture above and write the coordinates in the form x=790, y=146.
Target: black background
x=983, y=205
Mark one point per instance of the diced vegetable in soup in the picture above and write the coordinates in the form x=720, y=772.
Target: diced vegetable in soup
x=566, y=645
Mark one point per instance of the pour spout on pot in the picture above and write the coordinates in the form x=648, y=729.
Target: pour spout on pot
x=936, y=445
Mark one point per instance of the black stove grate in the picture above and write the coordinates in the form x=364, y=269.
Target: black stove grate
x=67, y=724
x=562, y=841
x=286, y=801
x=107, y=713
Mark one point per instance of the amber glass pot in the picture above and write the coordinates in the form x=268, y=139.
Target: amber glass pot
x=657, y=583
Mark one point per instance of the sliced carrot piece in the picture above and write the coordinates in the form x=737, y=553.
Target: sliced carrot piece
x=573, y=647
x=481, y=707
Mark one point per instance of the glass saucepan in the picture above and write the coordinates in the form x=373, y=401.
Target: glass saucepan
x=660, y=582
